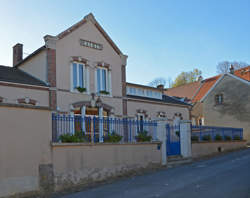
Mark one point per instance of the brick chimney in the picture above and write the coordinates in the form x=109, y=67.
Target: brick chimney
x=17, y=54
x=160, y=86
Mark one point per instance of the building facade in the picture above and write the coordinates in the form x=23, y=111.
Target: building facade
x=84, y=73
x=228, y=104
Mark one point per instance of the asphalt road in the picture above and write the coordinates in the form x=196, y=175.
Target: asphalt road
x=226, y=176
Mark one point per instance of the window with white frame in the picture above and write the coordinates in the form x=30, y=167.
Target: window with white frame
x=149, y=93
x=140, y=91
x=103, y=80
x=79, y=76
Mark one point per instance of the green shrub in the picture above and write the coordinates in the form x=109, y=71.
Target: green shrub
x=143, y=137
x=228, y=138
x=77, y=137
x=81, y=89
x=236, y=137
x=104, y=92
x=218, y=137
x=206, y=138
x=113, y=137
x=194, y=138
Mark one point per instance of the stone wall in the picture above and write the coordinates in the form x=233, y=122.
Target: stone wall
x=25, y=135
x=201, y=149
x=30, y=164
x=79, y=164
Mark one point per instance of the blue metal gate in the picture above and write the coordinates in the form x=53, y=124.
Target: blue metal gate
x=173, y=140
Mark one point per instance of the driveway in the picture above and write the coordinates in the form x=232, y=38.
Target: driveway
x=224, y=176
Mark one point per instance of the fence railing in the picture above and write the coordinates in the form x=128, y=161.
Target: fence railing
x=99, y=129
x=211, y=133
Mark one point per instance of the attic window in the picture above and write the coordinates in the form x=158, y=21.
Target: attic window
x=219, y=99
x=91, y=44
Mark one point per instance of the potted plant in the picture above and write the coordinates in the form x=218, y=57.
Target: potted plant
x=236, y=137
x=81, y=89
x=194, y=138
x=112, y=137
x=206, y=138
x=143, y=137
x=78, y=136
x=104, y=92
x=228, y=138
x=218, y=137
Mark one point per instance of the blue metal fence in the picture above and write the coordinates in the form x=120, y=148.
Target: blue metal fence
x=212, y=133
x=173, y=140
x=97, y=129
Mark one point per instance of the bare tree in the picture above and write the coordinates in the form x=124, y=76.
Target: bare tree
x=224, y=66
x=158, y=81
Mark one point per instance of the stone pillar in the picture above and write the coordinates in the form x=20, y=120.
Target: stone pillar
x=162, y=136
x=101, y=124
x=185, y=138
x=83, y=113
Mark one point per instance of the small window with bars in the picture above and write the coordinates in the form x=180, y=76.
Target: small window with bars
x=219, y=99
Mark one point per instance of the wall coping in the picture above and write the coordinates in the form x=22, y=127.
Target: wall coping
x=214, y=142
x=53, y=144
x=24, y=106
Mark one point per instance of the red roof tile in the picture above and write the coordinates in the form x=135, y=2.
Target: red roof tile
x=206, y=85
x=184, y=91
x=243, y=73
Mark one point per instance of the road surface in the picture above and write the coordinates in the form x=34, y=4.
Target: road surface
x=226, y=176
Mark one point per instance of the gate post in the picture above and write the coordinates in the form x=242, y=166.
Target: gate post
x=162, y=136
x=185, y=138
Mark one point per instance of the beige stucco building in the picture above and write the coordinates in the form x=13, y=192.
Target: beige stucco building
x=82, y=71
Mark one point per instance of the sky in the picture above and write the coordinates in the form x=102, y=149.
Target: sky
x=162, y=38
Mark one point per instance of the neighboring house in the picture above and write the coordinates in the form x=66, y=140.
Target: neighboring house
x=223, y=100
x=18, y=87
x=227, y=103
x=83, y=72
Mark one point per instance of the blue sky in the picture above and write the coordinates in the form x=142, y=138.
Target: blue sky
x=161, y=38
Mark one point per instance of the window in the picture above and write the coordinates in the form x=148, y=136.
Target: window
x=149, y=93
x=201, y=121
x=78, y=75
x=140, y=91
x=219, y=99
x=103, y=80
x=132, y=91
x=140, y=118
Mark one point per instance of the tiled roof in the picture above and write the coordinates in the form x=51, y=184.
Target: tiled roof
x=14, y=75
x=197, y=90
x=243, y=73
x=165, y=99
x=206, y=85
x=184, y=91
